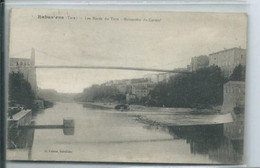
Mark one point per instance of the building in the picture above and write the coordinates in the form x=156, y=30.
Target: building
x=117, y=82
x=26, y=67
x=161, y=77
x=234, y=103
x=130, y=97
x=142, y=90
x=234, y=96
x=152, y=77
x=228, y=59
x=165, y=77
x=199, y=62
x=122, y=85
x=122, y=88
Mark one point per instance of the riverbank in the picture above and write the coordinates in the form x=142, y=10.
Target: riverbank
x=141, y=108
x=183, y=120
x=162, y=116
x=99, y=105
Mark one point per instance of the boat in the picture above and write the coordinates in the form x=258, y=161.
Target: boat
x=122, y=107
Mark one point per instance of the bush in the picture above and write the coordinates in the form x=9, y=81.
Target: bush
x=20, y=90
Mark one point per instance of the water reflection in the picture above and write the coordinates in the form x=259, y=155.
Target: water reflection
x=98, y=107
x=126, y=139
x=210, y=140
x=21, y=141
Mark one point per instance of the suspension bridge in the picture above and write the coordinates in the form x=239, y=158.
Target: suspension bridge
x=33, y=51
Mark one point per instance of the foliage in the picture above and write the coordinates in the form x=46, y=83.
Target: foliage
x=238, y=73
x=20, y=91
x=201, y=88
x=208, y=86
x=48, y=104
x=101, y=93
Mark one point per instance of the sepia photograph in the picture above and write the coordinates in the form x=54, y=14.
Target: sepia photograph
x=126, y=86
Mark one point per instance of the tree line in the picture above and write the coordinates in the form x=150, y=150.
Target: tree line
x=101, y=93
x=202, y=88
x=21, y=93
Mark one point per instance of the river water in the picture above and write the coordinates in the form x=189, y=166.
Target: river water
x=107, y=135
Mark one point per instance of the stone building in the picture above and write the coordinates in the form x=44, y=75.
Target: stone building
x=234, y=96
x=122, y=85
x=234, y=103
x=199, y=62
x=228, y=59
x=26, y=67
x=161, y=77
x=142, y=90
x=130, y=97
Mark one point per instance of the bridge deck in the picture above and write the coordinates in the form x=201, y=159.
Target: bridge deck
x=104, y=67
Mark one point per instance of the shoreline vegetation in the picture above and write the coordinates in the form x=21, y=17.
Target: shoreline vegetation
x=201, y=89
x=22, y=96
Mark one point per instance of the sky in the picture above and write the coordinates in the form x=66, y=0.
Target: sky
x=163, y=40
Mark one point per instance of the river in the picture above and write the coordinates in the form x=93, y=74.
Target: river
x=107, y=135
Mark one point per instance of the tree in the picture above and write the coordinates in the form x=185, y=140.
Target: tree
x=238, y=73
x=203, y=87
x=101, y=93
x=158, y=94
x=207, y=86
x=180, y=89
x=20, y=91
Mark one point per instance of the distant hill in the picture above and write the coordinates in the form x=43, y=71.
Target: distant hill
x=54, y=96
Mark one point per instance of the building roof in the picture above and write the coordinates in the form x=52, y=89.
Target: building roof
x=19, y=59
x=235, y=48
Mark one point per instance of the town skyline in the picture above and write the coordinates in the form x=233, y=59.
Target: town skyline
x=167, y=44
x=196, y=62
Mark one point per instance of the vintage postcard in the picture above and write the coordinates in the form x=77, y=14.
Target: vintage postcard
x=126, y=86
